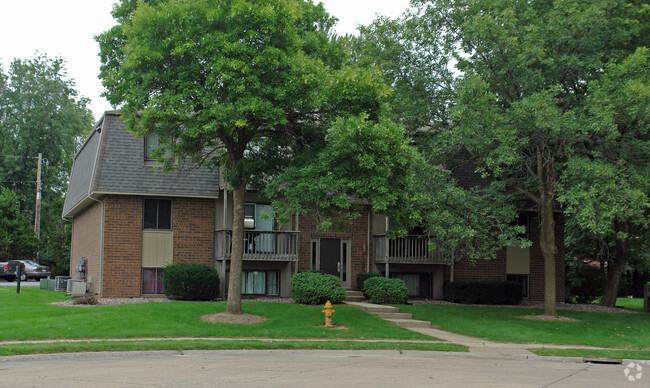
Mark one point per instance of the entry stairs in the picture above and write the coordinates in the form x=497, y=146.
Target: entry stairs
x=387, y=313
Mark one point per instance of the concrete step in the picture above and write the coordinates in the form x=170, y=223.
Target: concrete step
x=354, y=293
x=373, y=308
x=394, y=315
x=409, y=323
x=355, y=298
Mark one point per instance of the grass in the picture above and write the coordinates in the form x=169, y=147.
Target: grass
x=635, y=304
x=203, y=344
x=609, y=330
x=594, y=353
x=29, y=316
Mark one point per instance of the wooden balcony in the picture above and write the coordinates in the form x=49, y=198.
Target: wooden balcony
x=410, y=249
x=259, y=245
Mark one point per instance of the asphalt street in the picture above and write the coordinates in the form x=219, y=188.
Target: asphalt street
x=305, y=368
x=24, y=283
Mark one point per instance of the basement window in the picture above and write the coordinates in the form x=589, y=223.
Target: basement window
x=521, y=279
x=152, y=281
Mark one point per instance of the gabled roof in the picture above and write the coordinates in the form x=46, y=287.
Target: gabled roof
x=111, y=161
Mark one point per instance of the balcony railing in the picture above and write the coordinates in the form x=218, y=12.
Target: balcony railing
x=259, y=245
x=410, y=249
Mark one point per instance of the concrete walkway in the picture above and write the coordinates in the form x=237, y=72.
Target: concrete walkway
x=477, y=346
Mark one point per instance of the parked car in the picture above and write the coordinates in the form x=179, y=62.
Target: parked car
x=32, y=270
x=10, y=270
x=3, y=273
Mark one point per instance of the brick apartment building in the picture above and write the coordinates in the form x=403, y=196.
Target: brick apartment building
x=130, y=219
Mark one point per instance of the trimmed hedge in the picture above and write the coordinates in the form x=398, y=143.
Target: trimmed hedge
x=191, y=281
x=493, y=292
x=363, y=276
x=316, y=288
x=382, y=290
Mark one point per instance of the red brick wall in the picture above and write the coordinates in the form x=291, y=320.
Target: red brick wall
x=495, y=269
x=122, y=246
x=193, y=229
x=357, y=232
x=193, y=224
x=86, y=243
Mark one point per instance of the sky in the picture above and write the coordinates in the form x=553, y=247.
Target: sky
x=66, y=29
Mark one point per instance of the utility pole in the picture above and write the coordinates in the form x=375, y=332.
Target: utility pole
x=37, y=217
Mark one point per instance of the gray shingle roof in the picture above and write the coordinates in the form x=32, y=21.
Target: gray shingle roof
x=112, y=162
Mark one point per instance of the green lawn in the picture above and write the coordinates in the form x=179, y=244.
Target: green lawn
x=204, y=344
x=29, y=316
x=610, y=330
x=635, y=304
x=594, y=353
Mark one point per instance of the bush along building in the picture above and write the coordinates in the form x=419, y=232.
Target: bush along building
x=130, y=219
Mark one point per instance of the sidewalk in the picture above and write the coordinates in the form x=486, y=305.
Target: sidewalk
x=477, y=346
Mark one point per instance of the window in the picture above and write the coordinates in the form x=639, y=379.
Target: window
x=523, y=280
x=522, y=220
x=249, y=216
x=258, y=282
x=152, y=281
x=259, y=217
x=412, y=282
x=151, y=142
x=157, y=214
x=253, y=282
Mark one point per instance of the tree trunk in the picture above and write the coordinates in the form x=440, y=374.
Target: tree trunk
x=615, y=269
x=233, y=305
x=547, y=245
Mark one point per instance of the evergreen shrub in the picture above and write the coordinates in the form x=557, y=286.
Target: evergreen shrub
x=191, y=281
x=382, y=290
x=489, y=292
x=311, y=287
x=363, y=276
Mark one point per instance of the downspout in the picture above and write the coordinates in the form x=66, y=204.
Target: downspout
x=225, y=208
x=368, y=243
x=101, y=225
x=224, y=225
x=387, y=269
x=297, y=228
x=101, y=246
x=451, y=269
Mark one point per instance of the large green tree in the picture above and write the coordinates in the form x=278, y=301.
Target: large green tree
x=606, y=186
x=41, y=112
x=17, y=240
x=248, y=85
x=519, y=112
x=466, y=219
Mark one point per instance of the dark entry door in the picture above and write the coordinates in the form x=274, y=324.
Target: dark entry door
x=330, y=256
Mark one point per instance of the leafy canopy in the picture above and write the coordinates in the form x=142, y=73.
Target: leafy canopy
x=41, y=112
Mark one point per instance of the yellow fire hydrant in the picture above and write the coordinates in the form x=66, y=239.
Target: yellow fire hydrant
x=329, y=310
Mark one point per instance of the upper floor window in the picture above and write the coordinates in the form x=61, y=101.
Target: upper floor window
x=157, y=214
x=522, y=220
x=151, y=142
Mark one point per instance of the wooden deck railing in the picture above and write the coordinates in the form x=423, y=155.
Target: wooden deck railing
x=410, y=249
x=259, y=245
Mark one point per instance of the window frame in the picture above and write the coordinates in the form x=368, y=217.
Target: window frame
x=267, y=273
x=147, y=138
x=159, y=275
x=525, y=284
x=157, y=222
